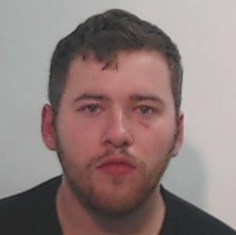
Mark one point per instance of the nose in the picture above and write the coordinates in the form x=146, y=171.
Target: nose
x=117, y=131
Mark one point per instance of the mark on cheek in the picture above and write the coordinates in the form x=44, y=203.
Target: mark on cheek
x=144, y=124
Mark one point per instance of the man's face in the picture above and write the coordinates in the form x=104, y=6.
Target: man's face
x=116, y=130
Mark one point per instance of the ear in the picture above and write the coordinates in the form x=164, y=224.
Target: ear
x=47, y=127
x=179, y=135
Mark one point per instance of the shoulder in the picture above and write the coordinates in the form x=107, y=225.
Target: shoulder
x=22, y=211
x=40, y=194
x=189, y=219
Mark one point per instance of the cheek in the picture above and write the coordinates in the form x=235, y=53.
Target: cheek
x=78, y=141
x=155, y=141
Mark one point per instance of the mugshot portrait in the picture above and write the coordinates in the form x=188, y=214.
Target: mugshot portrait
x=203, y=171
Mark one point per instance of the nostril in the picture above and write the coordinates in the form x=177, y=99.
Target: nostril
x=117, y=144
x=118, y=138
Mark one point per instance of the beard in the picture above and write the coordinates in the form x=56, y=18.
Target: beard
x=124, y=196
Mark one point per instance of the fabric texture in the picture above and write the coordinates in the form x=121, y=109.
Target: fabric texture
x=34, y=213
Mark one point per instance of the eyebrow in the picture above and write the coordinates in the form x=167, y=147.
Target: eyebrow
x=154, y=98
x=87, y=96
x=136, y=98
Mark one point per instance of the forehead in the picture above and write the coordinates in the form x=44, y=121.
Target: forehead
x=140, y=70
x=120, y=62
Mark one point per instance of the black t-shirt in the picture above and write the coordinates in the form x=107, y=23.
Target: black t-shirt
x=34, y=213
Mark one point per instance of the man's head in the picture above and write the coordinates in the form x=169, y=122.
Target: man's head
x=114, y=119
x=103, y=36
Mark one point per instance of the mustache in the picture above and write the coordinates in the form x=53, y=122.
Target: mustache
x=109, y=153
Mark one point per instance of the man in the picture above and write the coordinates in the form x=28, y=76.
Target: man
x=114, y=120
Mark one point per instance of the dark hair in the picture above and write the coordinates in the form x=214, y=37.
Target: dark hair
x=103, y=36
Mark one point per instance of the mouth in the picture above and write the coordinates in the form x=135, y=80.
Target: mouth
x=116, y=166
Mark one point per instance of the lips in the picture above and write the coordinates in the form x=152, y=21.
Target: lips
x=116, y=166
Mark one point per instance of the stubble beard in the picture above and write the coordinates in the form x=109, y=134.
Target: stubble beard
x=93, y=200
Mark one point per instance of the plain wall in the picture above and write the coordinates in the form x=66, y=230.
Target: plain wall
x=204, y=172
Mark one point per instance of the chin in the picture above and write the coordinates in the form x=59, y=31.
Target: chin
x=115, y=202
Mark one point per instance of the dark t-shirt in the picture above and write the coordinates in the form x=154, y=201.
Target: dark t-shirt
x=34, y=213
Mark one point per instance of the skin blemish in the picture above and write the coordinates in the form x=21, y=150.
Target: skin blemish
x=144, y=124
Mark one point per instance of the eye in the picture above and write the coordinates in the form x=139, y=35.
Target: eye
x=90, y=108
x=144, y=109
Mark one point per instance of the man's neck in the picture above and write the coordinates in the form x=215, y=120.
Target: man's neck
x=75, y=219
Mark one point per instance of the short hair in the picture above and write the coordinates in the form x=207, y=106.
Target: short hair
x=103, y=36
